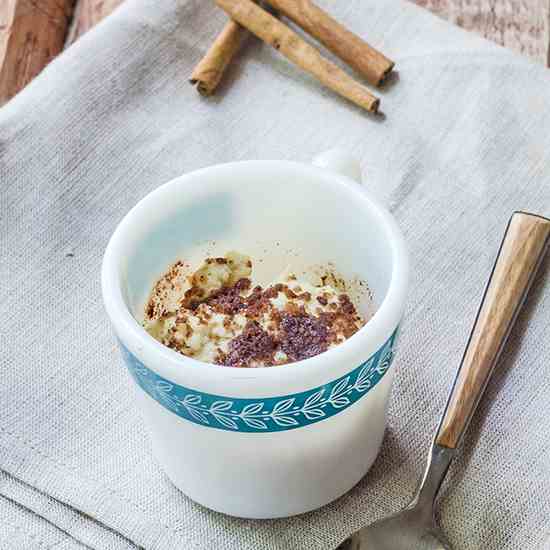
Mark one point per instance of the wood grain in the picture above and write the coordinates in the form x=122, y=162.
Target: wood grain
x=298, y=51
x=520, y=25
x=32, y=33
x=89, y=13
x=349, y=47
x=521, y=252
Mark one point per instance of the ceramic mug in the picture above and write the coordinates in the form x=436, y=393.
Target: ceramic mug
x=265, y=442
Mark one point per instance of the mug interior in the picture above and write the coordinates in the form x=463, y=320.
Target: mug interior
x=283, y=215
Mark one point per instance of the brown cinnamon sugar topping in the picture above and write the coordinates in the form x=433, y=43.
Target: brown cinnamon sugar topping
x=192, y=297
x=253, y=344
x=216, y=315
x=297, y=334
x=346, y=305
x=303, y=336
x=228, y=299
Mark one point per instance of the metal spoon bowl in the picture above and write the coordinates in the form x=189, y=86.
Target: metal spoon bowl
x=414, y=528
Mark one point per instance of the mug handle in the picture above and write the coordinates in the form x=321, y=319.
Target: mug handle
x=341, y=162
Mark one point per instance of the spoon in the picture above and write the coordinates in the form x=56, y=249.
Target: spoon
x=521, y=252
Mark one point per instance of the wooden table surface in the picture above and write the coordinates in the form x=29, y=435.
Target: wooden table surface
x=32, y=32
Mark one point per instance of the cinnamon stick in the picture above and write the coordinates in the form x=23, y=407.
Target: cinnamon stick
x=366, y=60
x=208, y=73
x=297, y=50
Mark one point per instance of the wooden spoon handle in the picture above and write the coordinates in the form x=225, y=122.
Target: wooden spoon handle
x=521, y=253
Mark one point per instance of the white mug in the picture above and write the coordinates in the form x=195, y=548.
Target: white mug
x=276, y=441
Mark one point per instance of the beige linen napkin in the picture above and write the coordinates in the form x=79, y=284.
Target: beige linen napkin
x=465, y=141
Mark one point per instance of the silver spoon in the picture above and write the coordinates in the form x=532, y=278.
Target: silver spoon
x=521, y=252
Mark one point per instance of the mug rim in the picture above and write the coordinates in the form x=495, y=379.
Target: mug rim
x=170, y=363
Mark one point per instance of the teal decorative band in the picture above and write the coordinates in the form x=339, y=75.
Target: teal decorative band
x=272, y=414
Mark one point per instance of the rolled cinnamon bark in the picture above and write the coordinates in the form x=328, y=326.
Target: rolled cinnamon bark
x=208, y=73
x=366, y=60
x=297, y=50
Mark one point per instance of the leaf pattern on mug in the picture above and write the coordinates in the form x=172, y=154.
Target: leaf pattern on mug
x=252, y=409
x=270, y=414
x=283, y=406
